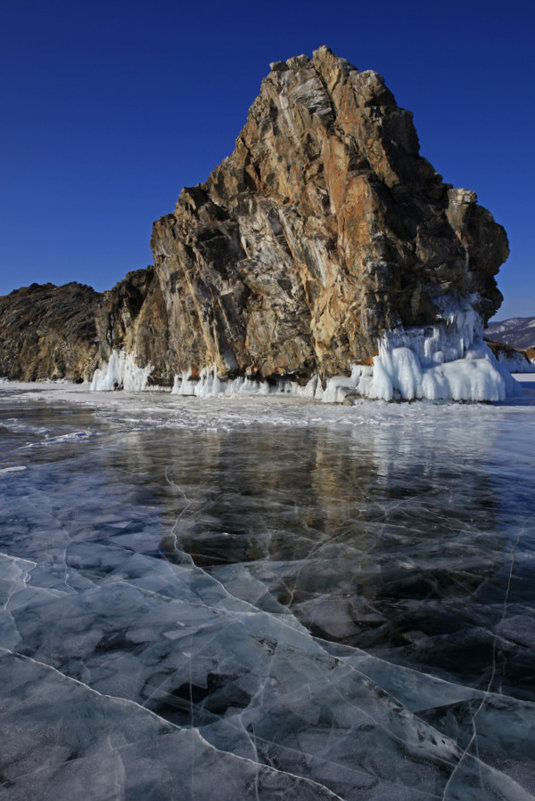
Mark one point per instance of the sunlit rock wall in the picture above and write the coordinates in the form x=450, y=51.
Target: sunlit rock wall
x=324, y=230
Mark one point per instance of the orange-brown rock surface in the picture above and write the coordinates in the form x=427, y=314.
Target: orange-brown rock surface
x=133, y=317
x=324, y=228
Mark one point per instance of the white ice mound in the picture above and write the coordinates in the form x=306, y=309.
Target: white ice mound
x=446, y=361
x=121, y=372
x=400, y=373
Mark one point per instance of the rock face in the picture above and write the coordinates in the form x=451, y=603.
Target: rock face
x=49, y=332
x=324, y=229
x=132, y=317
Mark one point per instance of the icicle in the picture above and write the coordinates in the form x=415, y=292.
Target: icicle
x=121, y=372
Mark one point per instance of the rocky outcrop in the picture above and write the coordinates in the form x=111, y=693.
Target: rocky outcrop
x=325, y=245
x=324, y=229
x=48, y=331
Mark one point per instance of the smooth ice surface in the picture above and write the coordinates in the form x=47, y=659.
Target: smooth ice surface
x=265, y=598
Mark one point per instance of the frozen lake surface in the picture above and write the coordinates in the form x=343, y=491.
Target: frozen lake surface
x=265, y=598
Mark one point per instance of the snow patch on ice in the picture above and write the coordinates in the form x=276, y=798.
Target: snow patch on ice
x=121, y=372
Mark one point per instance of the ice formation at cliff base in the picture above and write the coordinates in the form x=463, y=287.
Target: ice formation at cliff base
x=445, y=361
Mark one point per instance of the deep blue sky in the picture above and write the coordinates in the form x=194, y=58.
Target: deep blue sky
x=110, y=108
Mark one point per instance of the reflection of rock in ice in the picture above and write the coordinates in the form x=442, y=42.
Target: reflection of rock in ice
x=375, y=539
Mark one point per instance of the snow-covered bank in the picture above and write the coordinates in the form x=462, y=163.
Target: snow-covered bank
x=154, y=411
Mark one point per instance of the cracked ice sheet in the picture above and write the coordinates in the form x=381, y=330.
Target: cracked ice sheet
x=76, y=742
x=352, y=584
x=287, y=702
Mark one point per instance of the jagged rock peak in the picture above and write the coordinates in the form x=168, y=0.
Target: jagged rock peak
x=329, y=69
x=324, y=229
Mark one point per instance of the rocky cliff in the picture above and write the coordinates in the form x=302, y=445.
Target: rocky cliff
x=133, y=318
x=49, y=332
x=325, y=245
x=324, y=229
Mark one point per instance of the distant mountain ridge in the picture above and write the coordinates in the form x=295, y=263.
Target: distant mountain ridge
x=519, y=332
